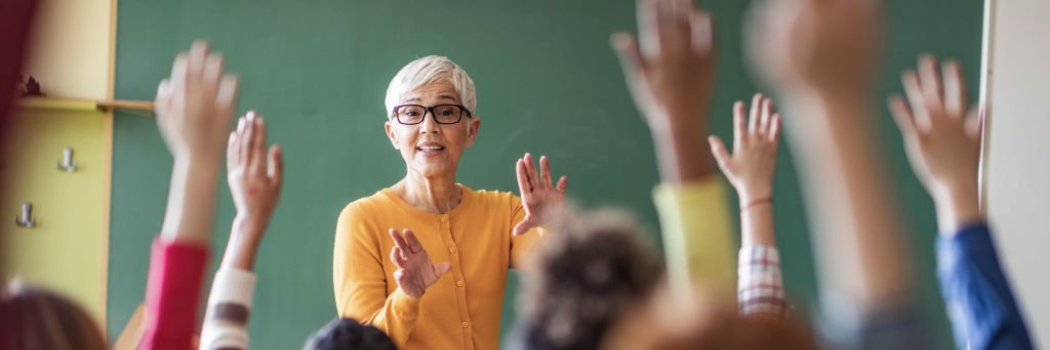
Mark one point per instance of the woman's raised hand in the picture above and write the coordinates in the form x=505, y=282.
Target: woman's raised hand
x=540, y=197
x=415, y=271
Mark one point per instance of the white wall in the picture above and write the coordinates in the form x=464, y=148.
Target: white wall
x=1017, y=155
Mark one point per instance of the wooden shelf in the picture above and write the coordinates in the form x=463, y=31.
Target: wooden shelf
x=82, y=105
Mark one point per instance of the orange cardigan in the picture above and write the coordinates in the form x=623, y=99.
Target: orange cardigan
x=460, y=311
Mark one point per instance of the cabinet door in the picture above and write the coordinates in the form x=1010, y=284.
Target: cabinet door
x=66, y=249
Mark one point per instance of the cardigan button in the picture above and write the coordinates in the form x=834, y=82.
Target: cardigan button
x=452, y=250
x=465, y=324
x=459, y=283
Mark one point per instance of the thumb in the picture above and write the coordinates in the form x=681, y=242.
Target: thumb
x=626, y=47
x=524, y=226
x=442, y=269
x=275, y=165
x=718, y=150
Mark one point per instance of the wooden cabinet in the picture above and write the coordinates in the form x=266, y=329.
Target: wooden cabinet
x=66, y=249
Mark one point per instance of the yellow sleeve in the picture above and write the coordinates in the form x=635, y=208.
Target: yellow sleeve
x=522, y=246
x=360, y=282
x=698, y=240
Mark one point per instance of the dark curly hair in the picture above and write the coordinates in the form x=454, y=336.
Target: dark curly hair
x=347, y=334
x=589, y=269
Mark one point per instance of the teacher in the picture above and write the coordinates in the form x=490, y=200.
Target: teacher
x=394, y=248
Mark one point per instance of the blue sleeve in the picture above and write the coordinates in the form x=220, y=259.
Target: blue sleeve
x=981, y=305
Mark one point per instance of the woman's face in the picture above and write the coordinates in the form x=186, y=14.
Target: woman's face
x=428, y=148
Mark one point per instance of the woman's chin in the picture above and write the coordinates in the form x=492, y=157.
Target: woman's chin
x=431, y=168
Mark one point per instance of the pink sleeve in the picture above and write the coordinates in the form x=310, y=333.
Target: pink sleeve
x=172, y=295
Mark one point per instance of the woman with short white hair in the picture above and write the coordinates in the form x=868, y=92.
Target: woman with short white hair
x=393, y=248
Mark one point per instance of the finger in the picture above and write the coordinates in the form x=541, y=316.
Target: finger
x=681, y=11
x=563, y=183
x=524, y=184
x=627, y=50
x=198, y=56
x=178, y=78
x=975, y=120
x=930, y=79
x=399, y=241
x=767, y=112
x=247, y=138
x=648, y=28
x=530, y=166
x=902, y=115
x=739, y=128
x=163, y=93
x=546, y=180
x=954, y=89
x=257, y=164
x=275, y=166
x=752, y=123
x=398, y=257
x=226, y=97
x=913, y=90
x=213, y=69
x=702, y=31
x=524, y=226
x=774, y=130
x=718, y=150
x=413, y=242
x=442, y=269
x=232, y=152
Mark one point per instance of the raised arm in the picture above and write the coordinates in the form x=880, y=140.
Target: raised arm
x=194, y=108
x=255, y=177
x=750, y=170
x=942, y=138
x=822, y=56
x=669, y=69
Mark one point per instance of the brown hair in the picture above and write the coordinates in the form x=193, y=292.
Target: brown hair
x=36, y=318
x=588, y=271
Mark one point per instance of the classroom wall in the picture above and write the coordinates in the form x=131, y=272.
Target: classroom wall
x=1017, y=166
x=547, y=82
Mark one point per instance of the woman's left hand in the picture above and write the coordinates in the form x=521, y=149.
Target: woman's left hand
x=539, y=195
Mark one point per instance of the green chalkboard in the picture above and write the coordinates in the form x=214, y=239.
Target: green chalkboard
x=547, y=83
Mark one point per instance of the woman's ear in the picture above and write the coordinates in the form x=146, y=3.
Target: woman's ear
x=391, y=135
x=472, y=130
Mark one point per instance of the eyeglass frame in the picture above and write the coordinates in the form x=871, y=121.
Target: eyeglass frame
x=430, y=110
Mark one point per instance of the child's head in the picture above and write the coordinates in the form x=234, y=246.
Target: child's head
x=588, y=271
x=347, y=334
x=35, y=318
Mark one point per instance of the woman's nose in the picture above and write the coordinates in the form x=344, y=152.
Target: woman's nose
x=430, y=124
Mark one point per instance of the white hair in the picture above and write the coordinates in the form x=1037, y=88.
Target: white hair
x=427, y=70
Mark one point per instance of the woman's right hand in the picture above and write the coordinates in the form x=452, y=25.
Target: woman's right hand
x=415, y=272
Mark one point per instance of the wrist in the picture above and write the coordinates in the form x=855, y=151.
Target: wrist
x=957, y=205
x=751, y=193
x=412, y=295
x=682, y=153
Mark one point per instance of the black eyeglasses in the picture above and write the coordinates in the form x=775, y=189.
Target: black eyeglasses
x=443, y=114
